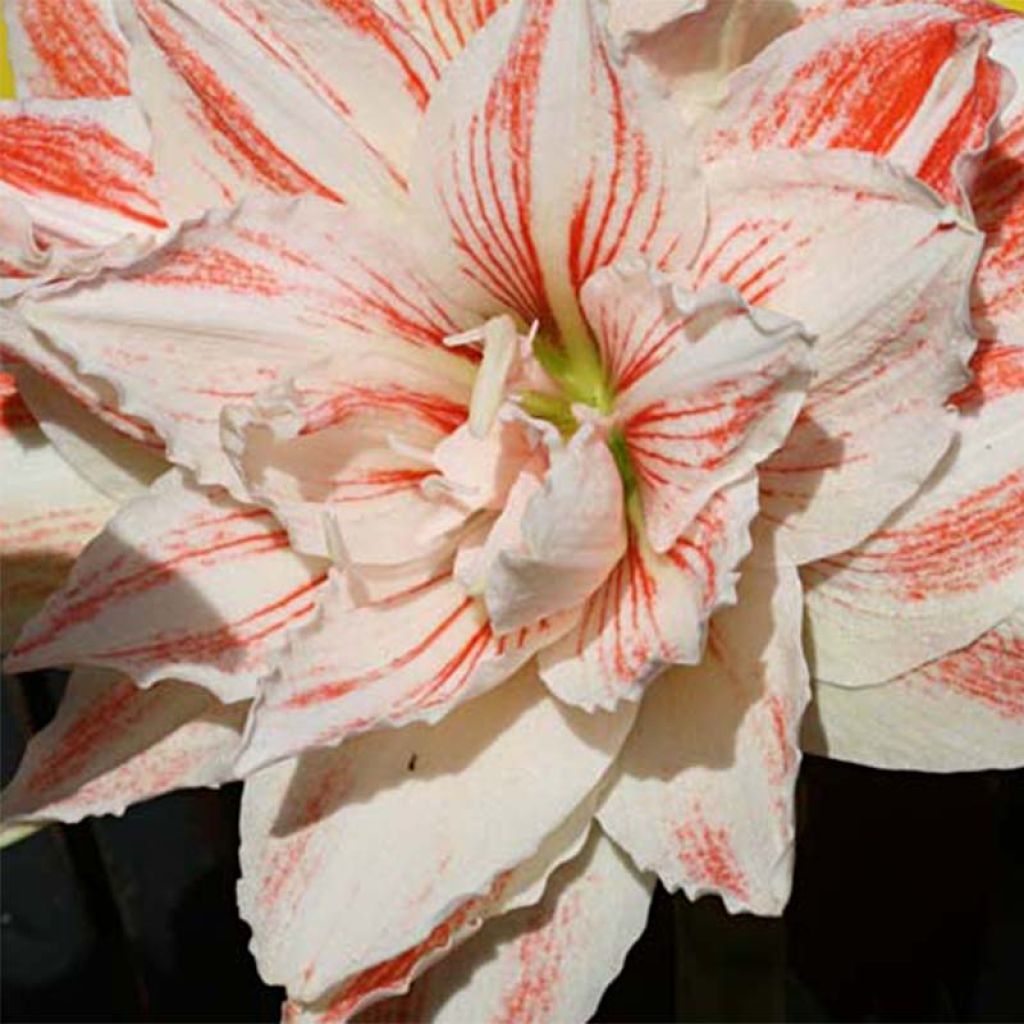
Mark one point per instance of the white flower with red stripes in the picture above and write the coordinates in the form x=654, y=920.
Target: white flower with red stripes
x=498, y=408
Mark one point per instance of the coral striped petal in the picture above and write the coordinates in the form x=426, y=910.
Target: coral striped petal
x=387, y=985
x=705, y=386
x=962, y=712
x=946, y=568
x=926, y=98
x=990, y=12
x=112, y=745
x=273, y=97
x=542, y=159
x=323, y=902
x=45, y=520
x=653, y=609
x=76, y=189
x=545, y=964
x=232, y=305
x=704, y=790
x=998, y=203
x=352, y=438
x=182, y=584
x=411, y=657
x=892, y=335
x=66, y=49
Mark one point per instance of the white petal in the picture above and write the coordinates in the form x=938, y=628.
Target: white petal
x=949, y=565
x=182, y=584
x=112, y=745
x=548, y=964
x=704, y=791
x=962, y=712
x=412, y=657
x=874, y=266
x=352, y=856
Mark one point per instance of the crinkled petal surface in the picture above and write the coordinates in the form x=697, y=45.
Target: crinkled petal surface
x=705, y=387
x=926, y=97
x=704, y=791
x=354, y=855
x=76, y=189
x=232, y=305
x=413, y=656
x=66, y=49
x=183, y=583
x=547, y=964
x=947, y=567
x=542, y=158
x=874, y=266
x=112, y=745
x=653, y=609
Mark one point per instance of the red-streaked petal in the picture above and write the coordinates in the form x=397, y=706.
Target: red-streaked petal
x=250, y=96
x=706, y=387
x=986, y=11
x=112, y=745
x=323, y=901
x=66, y=49
x=998, y=202
x=390, y=980
x=232, y=305
x=542, y=158
x=704, y=790
x=927, y=96
x=352, y=438
x=47, y=514
x=962, y=712
x=568, y=538
x=76, y=188
x=950, y=565
x=182, y=584
x=653, y=610
x=412, y=657
x=870, y=262
x=545, y=964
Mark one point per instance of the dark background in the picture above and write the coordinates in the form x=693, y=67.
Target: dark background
x=908, y=905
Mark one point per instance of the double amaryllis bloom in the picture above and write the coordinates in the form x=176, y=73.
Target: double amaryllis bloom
x=511, y=410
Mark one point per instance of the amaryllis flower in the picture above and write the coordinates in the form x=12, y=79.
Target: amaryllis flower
x=518, y=413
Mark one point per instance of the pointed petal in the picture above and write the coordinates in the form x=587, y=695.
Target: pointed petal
x=653, y=610
x=116, y=465
x=45, y=520
x=282, y=98
x=520, y=886
x=352, y=438
x=112, y=745
x=412, y=657
x=705, y=386
x=64, y=49
x=704, y=790
x=76, y=188
x=893, y=335
x=947, y=567
x=317, y=826
x=925, y=99
x=962, y=712
x=232, y=305
x=541, y=159
x=545, y=964
x=572, y=534
x=182, y=584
